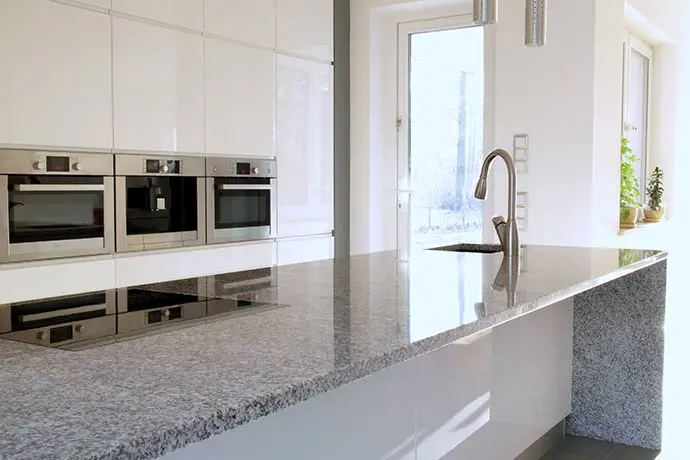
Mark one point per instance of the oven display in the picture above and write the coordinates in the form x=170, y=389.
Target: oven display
x=244, y=169
x=57, y=164
x=153, y=166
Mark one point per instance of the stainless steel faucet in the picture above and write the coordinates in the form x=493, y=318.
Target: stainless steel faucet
x=507, y=231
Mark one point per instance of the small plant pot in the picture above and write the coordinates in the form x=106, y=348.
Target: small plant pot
x=654, y=215
x=628, y=217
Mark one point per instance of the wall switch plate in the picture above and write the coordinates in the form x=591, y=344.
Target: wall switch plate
x=520, y=152
x=521, y=210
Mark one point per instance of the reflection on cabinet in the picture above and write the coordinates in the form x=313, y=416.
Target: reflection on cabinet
x=55, y=79
x=295, y=251
x=454, y=391
x=305, y=27
x=158, y=88
x=304, y=147
x=249, y=21
x=186, y=13
x=240, y=100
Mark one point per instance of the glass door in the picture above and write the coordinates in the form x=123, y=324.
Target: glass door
x=242, y=205
x=441, y=132
x=55, y=208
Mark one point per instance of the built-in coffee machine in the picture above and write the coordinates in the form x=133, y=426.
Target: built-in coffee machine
x=160, y=202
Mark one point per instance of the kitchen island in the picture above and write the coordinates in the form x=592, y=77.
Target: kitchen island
x=435, y=356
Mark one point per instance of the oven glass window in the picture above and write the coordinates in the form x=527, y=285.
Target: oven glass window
x=54, y=208
x=243, y=208
x=161, y=205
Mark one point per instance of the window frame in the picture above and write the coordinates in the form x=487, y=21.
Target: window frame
x=633, y=43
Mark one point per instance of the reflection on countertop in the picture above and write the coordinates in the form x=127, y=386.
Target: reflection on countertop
x=339, y=320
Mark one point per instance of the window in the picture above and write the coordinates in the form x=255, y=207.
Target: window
x=637, y=71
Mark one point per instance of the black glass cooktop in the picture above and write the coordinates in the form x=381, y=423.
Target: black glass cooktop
x=93, y=319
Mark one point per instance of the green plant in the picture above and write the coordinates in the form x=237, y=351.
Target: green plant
x=655, y=188
x=630, y=186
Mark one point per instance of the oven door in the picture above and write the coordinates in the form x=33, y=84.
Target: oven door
x=46, y=217
x=61, y=321
x=241, y=209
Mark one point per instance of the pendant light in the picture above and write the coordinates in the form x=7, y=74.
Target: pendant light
x=485, y=12
x=535, y=22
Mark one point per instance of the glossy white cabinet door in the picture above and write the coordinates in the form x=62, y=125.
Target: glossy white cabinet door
x=454, y=398
x=240, y=100
x=186, y=13
x=248, y=21
x=55, y=79
x=532, y=374
x=158, y=79
x=304, y=250
x=306, y=27
x=305, y=147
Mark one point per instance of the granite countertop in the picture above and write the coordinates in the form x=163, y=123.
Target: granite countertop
x=332, y=322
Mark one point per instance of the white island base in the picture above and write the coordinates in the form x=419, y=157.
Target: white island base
x=487, y=396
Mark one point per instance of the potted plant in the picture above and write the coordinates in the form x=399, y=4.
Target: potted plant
x=630, y=187
x=654, y=211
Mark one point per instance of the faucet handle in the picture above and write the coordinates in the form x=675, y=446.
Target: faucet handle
x=500, y=227
x=498, y=220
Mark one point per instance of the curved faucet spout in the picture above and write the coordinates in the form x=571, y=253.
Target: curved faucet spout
x=510, y=238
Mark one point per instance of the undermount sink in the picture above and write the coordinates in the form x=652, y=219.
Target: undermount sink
x=469, y=247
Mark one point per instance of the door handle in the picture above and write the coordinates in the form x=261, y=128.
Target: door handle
x=59, y=187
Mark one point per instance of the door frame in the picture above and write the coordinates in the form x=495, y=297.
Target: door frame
x=403, y=191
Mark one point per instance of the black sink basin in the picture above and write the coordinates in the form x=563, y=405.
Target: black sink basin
x=470, y=247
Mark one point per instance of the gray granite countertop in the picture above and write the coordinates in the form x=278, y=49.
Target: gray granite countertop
x=332, y=322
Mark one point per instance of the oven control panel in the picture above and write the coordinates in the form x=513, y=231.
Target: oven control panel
x=233, y=167
x=163, y=166
x=55, y=163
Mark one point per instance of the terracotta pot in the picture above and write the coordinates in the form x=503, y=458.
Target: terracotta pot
x=628, y=217
x=654, y=215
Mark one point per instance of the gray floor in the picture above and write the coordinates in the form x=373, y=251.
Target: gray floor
x=590, y=449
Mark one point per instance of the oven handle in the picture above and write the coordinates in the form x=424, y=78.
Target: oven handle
x=64, y=312
x=59, y=187
x=244, y=187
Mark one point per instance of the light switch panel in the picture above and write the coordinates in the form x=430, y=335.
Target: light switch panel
x=521, y=200
x=521, y=210
x=520, y=152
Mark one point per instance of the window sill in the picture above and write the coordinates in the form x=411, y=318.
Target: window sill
x=645, y=227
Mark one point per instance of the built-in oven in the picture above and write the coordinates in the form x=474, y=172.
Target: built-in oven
x=141, y=309
x=63, y=322
x=241, y=195
x=55, y=204
x=160, y=202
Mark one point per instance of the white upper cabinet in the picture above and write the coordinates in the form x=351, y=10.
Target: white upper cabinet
x=240, y=100
x=186, y=13
x=55, y=79
x=158, y=78
x=305, y=147
x=306, y=27
x=248, y=21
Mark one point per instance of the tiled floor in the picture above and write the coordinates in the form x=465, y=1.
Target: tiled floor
x=590, y=449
